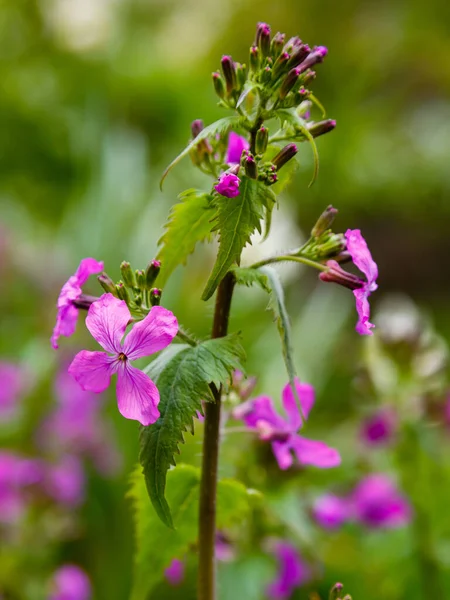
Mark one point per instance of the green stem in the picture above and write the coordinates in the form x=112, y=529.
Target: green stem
x=208, y=484
x=287, y=257
x=183, y=335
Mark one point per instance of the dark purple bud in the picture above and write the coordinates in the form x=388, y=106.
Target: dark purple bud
x=152, y=273
x=292, y=45
x=229, y=73
x=122, y=292
x=84, y=301
x=262, y=138
x=250, y=167
x=107, y=284
x=155, y=297
x=255, y=59
x=321, y=127
x=299, y=55
x=289, y=82
x=335, y=592
x=314, y=57
x=284, y=155
x=196, y=127
x=336, y=274
x=263, y=38
x=280, y=66
x=128, y=274
x=219, y=85
x=324, y=222
x=276, y=45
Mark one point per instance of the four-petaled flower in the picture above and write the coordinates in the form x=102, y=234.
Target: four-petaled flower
x=228, y=185
x=259, y=414
x=292, y=572
x=362, y=258
x=107, y=319
x=236, y=146
x=66, y=319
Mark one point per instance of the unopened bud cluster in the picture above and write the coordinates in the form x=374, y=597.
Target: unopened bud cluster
x=324, y=244
x=136, y=288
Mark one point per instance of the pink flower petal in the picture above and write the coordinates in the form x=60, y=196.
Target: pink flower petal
x=313, y=452
x=107, y=320
x=306, y=395
x=87, y=267
x=66, y=322
x=282, y=452
x=137, y=395
x=261, y=409
x=236, y=145
x=363, y=326
x=152, y=334
x=92, y=370
x=361, y=256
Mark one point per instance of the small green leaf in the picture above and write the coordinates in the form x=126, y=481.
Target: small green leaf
x=248, y=276
x=218, y=127
x=237, y=219
x=290, y=116
x=183, y=382
x=278, y=307
x=156, y=546
x=189, y=222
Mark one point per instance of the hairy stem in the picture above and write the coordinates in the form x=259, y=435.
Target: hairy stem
x=287, y=257
x=208, y=485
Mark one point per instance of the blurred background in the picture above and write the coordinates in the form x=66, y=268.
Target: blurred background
x=97, y=97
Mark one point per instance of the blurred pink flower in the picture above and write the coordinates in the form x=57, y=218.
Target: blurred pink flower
x=377, y=503
x=259, y=414
x=228, y=185
x=362, y=258
x=379, y=429
x=331, y=511
x=14, y=383
x=17, y=474
x=67, y=316
x=175, y=572
x=236, y=145
x=108, y=317
x=65, y=481
x=292, y=572
x=70, y=582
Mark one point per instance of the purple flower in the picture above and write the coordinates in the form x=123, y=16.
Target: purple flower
x=65, y=482
x=361, y=257
x=107, y=319
x=16, y=475
x=331, y=511
x=66, y=319
x=259, y=414
x=14, y=382
x=175, y=572
x=377, y=503
x=70, y=582
x=292, y=572
x=236, y=145
x=380, y=428
x=228, y=185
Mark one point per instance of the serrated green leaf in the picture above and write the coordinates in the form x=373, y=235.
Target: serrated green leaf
x=189, y=222
x=156, y=546
x=248, y=276
x=278, y=307
x=290, y=116
x=237, y=219
x=183, y=382
x=217, y=128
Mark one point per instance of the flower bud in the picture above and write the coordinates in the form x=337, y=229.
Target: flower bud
x=347, y=597
x=84, y=301
x=127, y=274
x=263, y=38
x=250, y=167
x=304, y=109
x=107, y=284
x=266, y=75
x=335, y=592
x=289, y=82
x=280, y=66
x=196, y=127
x=229, y=73
x=336, y=274
x=255, y=59
x=262, y=138
x=321, y=127
x=140, y=279
x=228, y=185
x=241, y=75
x=219, y=84
x=122, y=292
x=276, y=45
x=308, y=77
x=155, y=296
x=152, y=272
x=284, y=155
x=299, y=55
x=292, y=45
x=314, y=57
x=324, y=222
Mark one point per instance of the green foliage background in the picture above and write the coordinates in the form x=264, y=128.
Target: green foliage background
x=97, y=98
